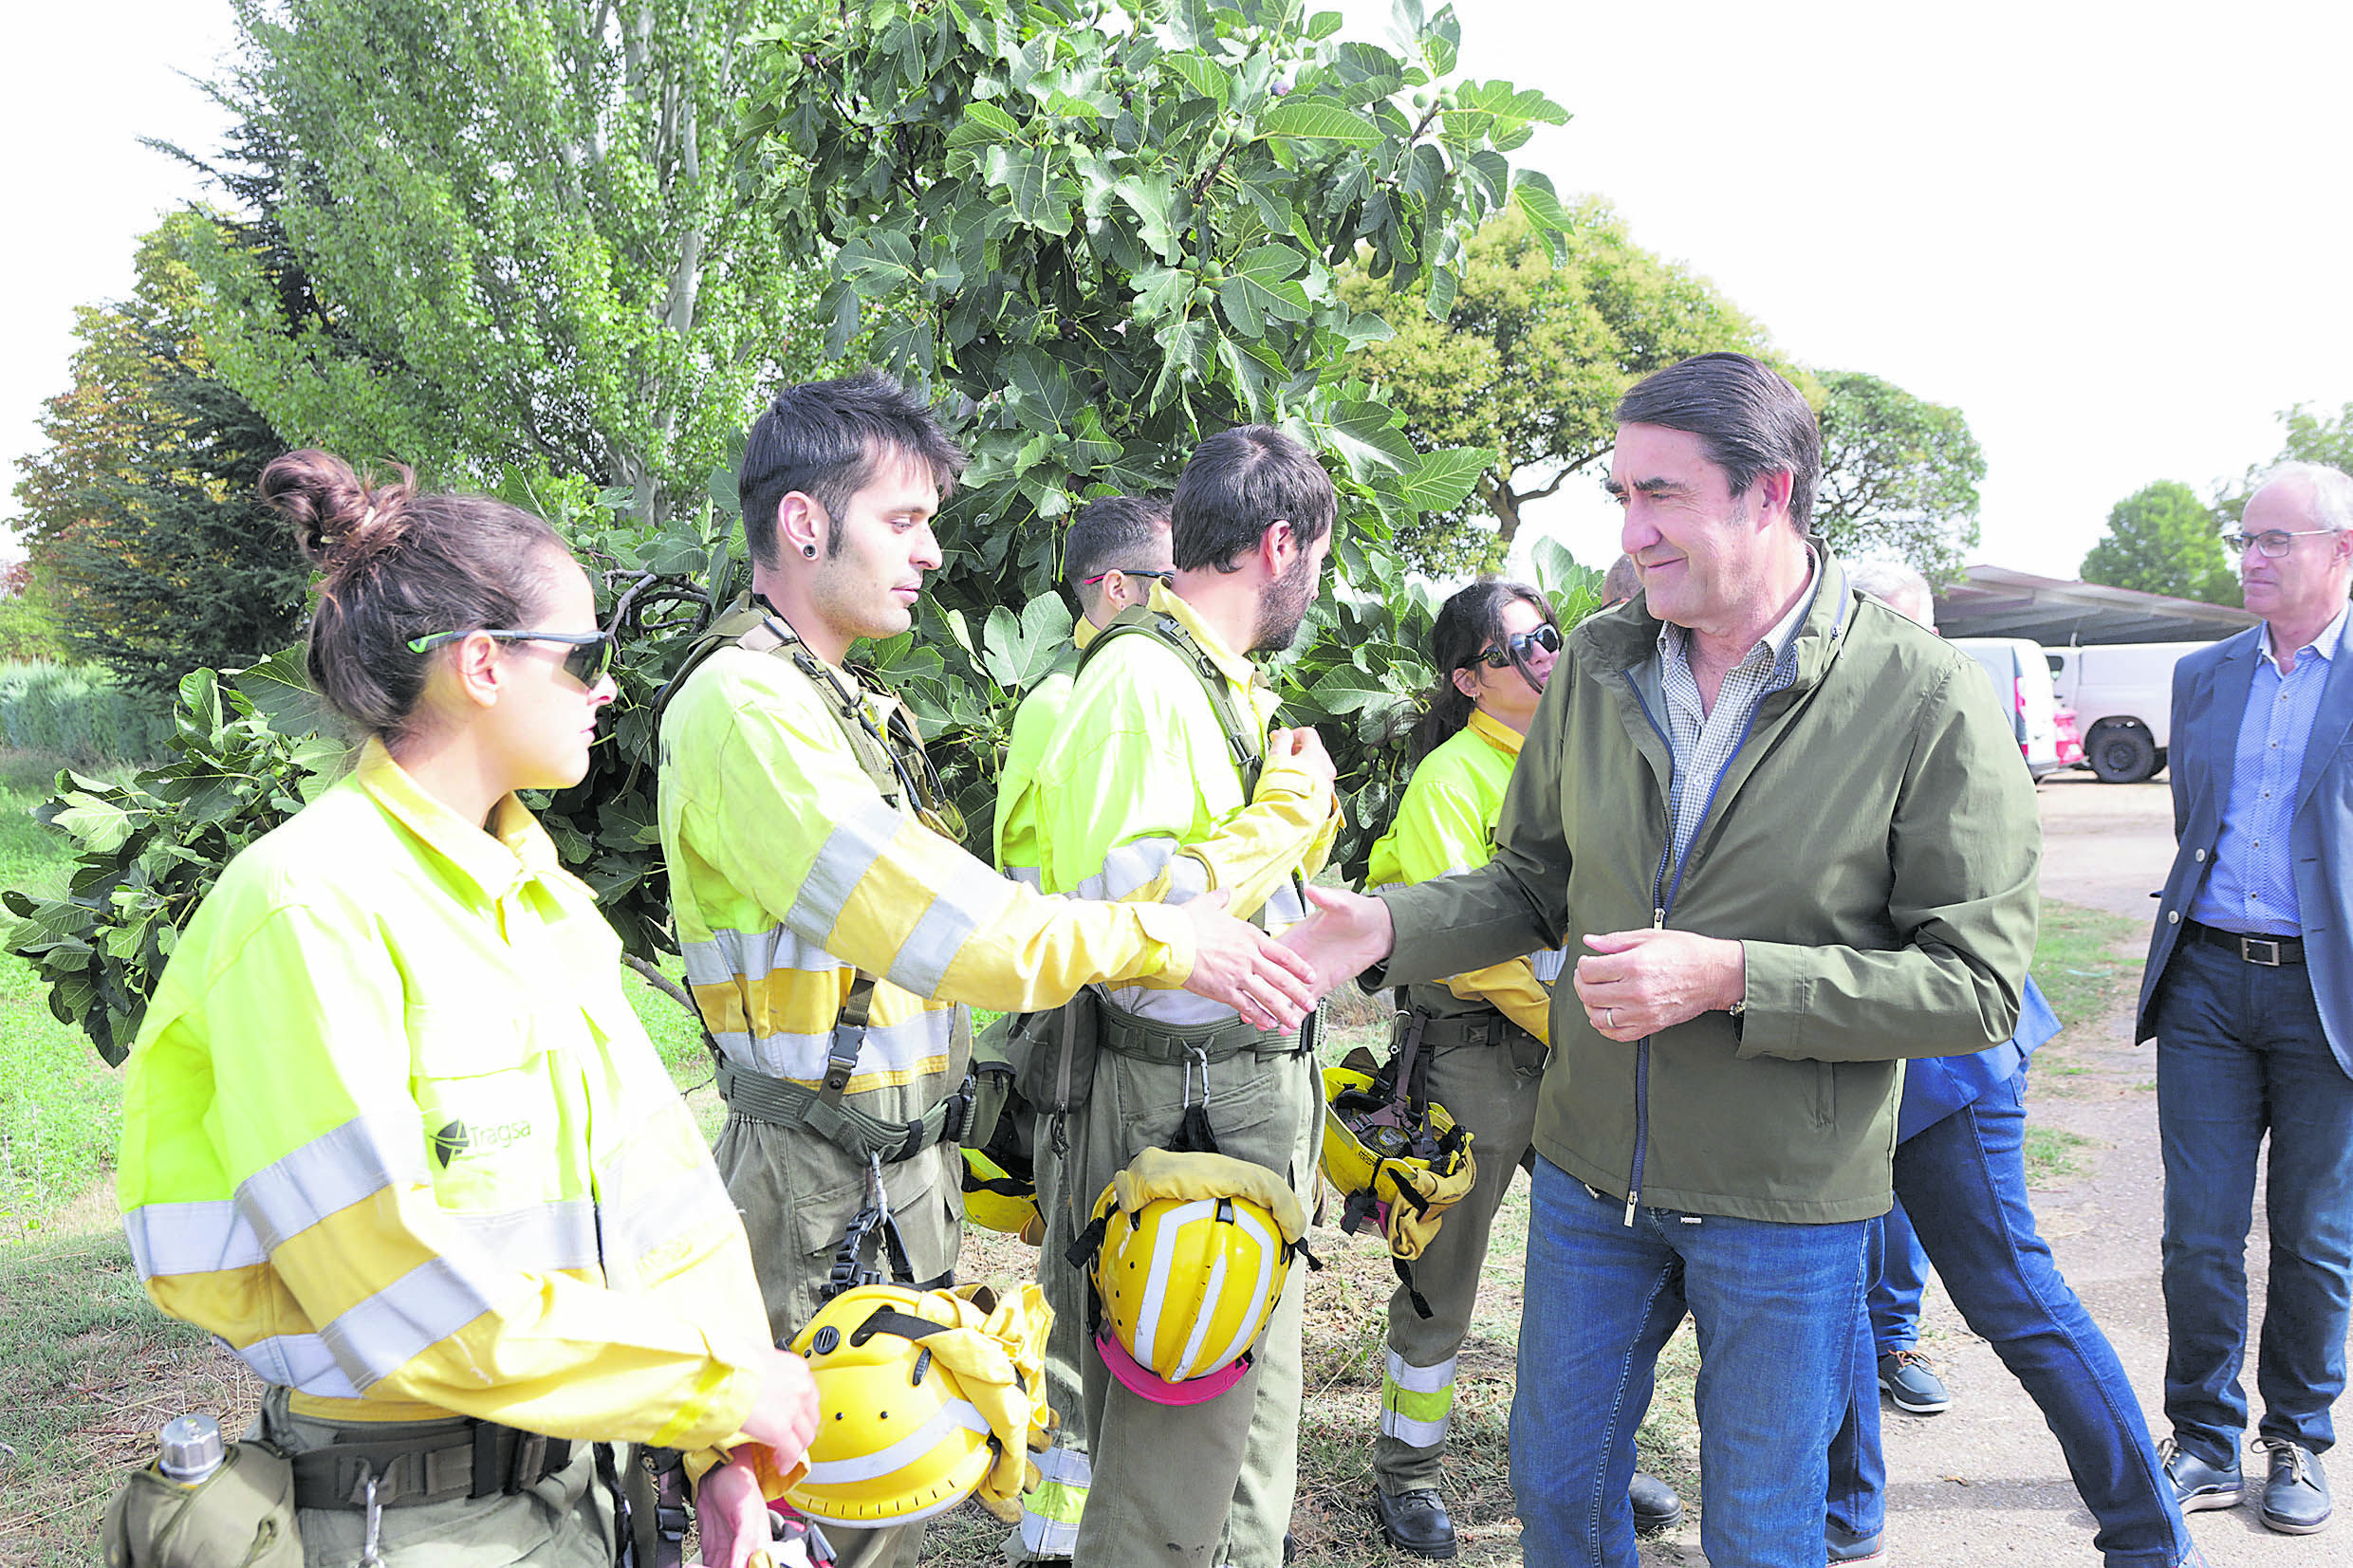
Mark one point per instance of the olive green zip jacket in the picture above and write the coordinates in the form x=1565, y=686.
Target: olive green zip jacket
x=1872, y=843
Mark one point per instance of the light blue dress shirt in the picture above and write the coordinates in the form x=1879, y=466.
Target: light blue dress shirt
x=2252, y=887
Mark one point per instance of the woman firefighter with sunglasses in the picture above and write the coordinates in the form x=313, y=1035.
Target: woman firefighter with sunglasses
x=1482, y=1037
x=390, y=1129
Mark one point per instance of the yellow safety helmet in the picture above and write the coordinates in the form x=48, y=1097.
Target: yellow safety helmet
x=1192, y=1251
x=1001, y=1199
x=922, y=1397
x=1392, y=1162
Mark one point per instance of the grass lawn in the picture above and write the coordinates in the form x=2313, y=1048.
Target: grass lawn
x=59, y=1102
x=89, y=1371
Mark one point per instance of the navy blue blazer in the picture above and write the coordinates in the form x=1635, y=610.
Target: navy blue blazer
x=2210, y=698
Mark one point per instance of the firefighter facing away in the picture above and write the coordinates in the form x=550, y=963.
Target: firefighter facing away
x=833, y=929
x=390, y=1129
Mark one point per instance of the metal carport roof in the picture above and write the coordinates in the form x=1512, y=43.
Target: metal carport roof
x=1994, y=602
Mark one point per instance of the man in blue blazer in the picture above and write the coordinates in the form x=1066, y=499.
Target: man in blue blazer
x=1961, y=1177
x=2249, y=991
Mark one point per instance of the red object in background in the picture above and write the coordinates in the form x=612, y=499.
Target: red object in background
x=2071, y=743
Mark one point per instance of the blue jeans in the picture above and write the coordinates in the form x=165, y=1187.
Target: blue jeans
x=2240, y=1052
x=1896, y=1291
x=1776, y=1307
x=1964, y=1182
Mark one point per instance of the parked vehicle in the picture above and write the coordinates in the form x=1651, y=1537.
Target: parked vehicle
x=2070, y=740
x=2021, y=680
x=2122, y=694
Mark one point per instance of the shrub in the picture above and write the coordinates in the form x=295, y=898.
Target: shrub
x=80, y=714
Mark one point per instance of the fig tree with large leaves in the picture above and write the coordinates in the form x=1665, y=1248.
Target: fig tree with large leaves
x=1093, y=236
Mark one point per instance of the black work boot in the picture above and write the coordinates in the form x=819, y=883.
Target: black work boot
x=1415, y=1521
x=1656, y=1507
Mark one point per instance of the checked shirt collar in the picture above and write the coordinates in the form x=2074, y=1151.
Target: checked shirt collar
x=1703, y=740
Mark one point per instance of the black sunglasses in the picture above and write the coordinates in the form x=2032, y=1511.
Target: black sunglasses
x=590, y=657
x=1515, y=647
x=1169, y=577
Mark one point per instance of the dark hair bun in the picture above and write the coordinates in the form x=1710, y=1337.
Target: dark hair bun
x=337, y=519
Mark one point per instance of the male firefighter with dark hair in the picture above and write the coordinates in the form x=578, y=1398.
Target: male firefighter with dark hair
x=1162, y=785
x=832, y=929
x=1112, y=554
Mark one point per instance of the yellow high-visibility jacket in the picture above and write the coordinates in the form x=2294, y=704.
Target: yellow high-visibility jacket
x=1446, y=827
x=1137, y=797
x=392, y=1131
x=790, y=871
x=1015, y=841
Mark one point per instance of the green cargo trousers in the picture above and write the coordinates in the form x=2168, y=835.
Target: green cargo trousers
x=797, y=1194
x=565, y=1521
x=1491, y=1091
x=1209, y=1485
x=1049, y=1528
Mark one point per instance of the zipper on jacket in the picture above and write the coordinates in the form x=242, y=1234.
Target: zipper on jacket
x=1662, y=894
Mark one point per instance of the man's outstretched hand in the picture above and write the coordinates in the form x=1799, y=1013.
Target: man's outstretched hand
x=1347, y=935
x=1235, y=962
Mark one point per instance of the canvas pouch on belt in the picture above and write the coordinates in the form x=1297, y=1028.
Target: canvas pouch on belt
x=241, y=1516
x=1055, y=1066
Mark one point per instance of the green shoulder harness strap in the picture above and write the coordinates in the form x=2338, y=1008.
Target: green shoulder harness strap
x=1246, y=742
x=891, y=754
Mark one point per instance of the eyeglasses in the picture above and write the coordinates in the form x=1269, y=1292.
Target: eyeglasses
x=2272, y=542
x=1515, y=647
x=590, y=657
x=1169, y=577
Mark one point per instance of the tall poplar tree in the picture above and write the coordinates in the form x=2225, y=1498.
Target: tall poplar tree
x=520, y=233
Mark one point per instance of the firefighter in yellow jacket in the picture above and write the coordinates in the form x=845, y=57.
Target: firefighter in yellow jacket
x=833, y=929
x=391, y=1130
x=1481, y=1038
x=1163, y=784
x=1113, y=552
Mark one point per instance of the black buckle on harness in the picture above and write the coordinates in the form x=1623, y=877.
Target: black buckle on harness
x=842, y=1057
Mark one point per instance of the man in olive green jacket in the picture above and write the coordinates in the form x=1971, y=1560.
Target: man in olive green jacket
x=1797, y=838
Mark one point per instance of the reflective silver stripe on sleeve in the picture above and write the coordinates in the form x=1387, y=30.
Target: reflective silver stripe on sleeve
x=538, y=1240
x=636, y=1225
x=191, y=1238
x=328, y=1175
x=911, y=1045
x=1549, y=964
x=1129, y=867
x=849, y=851
x=375, y=1337
x=1028, y=877
x=1188, y=878
x=957, y=910
x=733, y=955
x=1285, y=907
x=299, y=1361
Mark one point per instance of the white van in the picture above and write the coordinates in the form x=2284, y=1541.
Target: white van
x=2021, y=680
x=2122, y=694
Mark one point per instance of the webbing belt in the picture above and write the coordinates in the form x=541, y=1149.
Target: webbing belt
x=1149, y=1040
x=1480, y=1028
x=437, y=1466
x=781, y=1103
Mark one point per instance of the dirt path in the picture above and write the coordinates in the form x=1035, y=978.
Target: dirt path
x=1985, y=1482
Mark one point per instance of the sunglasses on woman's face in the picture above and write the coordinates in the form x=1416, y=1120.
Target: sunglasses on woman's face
x=1516, y=646
x=591, y=653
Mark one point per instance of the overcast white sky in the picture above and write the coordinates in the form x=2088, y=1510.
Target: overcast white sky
x=2113, y=235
